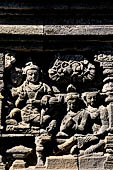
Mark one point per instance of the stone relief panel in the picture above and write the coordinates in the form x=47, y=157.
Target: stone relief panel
x=71, y=112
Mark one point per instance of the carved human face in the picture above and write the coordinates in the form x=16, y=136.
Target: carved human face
x=16, y=77
x=71, y=105
x=32, y=76
x=91, y=99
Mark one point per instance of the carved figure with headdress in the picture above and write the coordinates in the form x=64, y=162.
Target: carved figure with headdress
x=30, y=94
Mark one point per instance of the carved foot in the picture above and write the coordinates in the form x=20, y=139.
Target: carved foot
x=40, y=162
x=24, y=125
x=74, y=150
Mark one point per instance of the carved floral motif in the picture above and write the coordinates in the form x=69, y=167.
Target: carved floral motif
x=72, y=71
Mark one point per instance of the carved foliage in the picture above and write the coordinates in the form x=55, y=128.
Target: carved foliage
x=72, y=70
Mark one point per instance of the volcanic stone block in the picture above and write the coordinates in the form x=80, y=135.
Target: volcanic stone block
x=92, y=162
x=61, y=162
x=110, y=111
x=78, y=30
x=21, y=29
x=109, y=162
x=18, y=164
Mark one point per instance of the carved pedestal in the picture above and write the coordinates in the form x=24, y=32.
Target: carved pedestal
x=18, y=164
x=19, y=153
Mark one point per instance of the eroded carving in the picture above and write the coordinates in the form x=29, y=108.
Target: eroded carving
x=9, y=60
x=76, y=120
x=29, y=96
x=72, y=70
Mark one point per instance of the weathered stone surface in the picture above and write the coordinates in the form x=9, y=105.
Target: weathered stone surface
x=110, y=110
x=78, y=29
x=92, y=162
x=19, y=150
x=61, y=162
x=9, y=60
x=21, y=29
x=1, y=85
x=2, y=165
x=18, y=164
x=106, y=64
x=57, y=29
x=56, y=85
x=36, y=108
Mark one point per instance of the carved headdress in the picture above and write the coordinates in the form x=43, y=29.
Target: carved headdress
x=30, y=66
x=72, y=96
x=92, y=91
x=71, y=93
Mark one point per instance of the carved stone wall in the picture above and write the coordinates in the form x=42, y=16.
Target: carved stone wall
x=56, y=85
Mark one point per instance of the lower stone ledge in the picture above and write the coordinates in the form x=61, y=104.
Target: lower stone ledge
x=33, y=168
x=62, y=162
x=69, y=162
x=92, y=162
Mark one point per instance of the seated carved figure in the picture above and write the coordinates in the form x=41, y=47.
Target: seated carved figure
x=30, y=93
x=74, y=121
x=16, y=79
x=50, y=114
x=98, y=124
x=94, y=123
x=98, y=114
x=29, y=96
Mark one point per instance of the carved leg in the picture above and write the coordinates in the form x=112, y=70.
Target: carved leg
x=93, y=148
x=67, y=145
x=39, y=150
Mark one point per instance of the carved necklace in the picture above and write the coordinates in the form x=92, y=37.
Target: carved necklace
x=93, y=112
x=34, y=87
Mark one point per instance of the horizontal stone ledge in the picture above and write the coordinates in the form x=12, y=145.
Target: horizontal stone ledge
x=64, y=4
x=78, y=29
x=17, y=135
x=56, y=29
x=21, y=29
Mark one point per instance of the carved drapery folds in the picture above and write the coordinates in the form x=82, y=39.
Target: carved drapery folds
x=76, y=119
